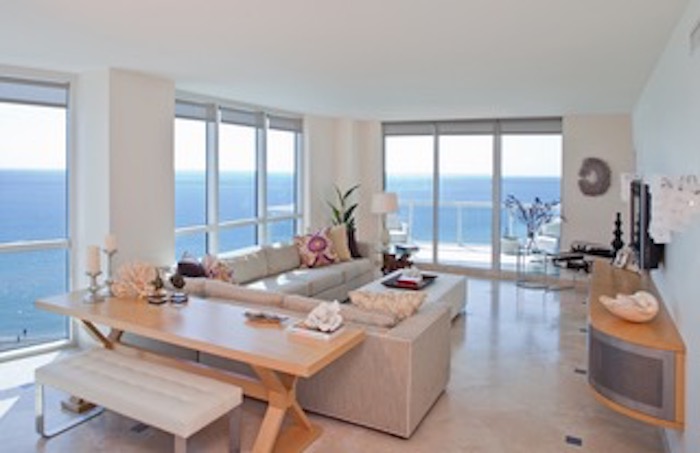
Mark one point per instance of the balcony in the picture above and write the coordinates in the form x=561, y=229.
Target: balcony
x=464, y=233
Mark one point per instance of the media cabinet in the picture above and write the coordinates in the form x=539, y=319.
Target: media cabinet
x=635, y=369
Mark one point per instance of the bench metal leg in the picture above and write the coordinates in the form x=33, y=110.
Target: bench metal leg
x=234, y=430
x=40, y=417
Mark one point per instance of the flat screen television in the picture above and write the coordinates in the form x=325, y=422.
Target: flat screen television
x=647, y=252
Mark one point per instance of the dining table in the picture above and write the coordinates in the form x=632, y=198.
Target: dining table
x=277, y=354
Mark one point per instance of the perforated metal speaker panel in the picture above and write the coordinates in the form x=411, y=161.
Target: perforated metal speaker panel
x=633, y=376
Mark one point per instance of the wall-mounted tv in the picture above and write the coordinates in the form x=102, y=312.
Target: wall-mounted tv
x=647, y=252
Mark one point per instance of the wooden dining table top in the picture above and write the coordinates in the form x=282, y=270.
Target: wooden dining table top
x=213, y=327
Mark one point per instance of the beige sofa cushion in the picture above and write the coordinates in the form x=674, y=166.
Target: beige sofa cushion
x=246, y=267
x=193, y=285
x=401, y=303
x=348, y=312
x=355, y=268
x=319, y=279
x=281, y=283
x=339, y=237
x=222, y=290
x=281, y=258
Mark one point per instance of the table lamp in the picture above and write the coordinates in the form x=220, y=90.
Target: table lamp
x=384, y=203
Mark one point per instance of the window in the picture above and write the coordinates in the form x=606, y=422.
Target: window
x=449, y=176
x=34, y=246
x=190, y=186
x=247, y=166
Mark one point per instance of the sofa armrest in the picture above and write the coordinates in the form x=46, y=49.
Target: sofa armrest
x=391, y=380
x=430, y=359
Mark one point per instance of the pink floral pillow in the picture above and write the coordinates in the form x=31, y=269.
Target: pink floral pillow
x=316, y=250
x=218, y=270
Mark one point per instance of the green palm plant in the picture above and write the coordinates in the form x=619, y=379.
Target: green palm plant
x=343, y=210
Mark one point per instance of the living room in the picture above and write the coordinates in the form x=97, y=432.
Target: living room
x=122, y=105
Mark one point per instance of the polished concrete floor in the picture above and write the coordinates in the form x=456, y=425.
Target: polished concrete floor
x=518, y=384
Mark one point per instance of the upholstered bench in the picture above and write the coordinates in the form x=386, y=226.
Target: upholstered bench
x=173, y=400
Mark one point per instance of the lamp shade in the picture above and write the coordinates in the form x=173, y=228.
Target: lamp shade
x=384, y=203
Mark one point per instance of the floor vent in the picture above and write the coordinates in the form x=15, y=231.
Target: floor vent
x=580, y=371
x=573, y=440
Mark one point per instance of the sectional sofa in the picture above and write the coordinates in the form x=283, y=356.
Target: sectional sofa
x=388, y=383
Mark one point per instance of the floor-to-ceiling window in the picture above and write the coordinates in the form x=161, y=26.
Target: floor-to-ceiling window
x=409, y=156
x=531, y=169
x=242, y=184
x=238, y=179
x=34, y=234
x=459, y=173
x=465, y=199
x=282, y=182
x=191, y=179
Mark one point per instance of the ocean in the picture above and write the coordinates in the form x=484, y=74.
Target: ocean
x=33, y=206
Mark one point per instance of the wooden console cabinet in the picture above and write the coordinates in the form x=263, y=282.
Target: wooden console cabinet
x=635, y=369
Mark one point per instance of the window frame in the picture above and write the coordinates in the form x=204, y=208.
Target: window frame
x=50, y=81
x=216, y=113
x=498, y=128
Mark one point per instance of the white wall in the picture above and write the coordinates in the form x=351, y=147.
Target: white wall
x=666, y=125
x=608, y=137
x=142, y=211
x=319, y=140
x=124, y=165
x=91, y=168
x=343, y=152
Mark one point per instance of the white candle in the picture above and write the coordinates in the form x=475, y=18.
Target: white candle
x=110, y=243
x=93, y=259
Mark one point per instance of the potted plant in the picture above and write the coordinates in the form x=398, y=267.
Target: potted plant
x=343, y=212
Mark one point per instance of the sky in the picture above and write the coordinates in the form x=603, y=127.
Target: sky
x=190, y=142
x=472, y=155
x=21, y=147
x=32, y=137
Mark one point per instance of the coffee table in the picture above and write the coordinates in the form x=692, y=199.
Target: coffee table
x=447, y=289
x=278, y=357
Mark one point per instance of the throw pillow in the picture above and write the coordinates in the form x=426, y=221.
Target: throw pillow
x=217, y=269
x=189, y=266
x=316, y=250
x=400, y=303
x=339, y=237
x=352, y=244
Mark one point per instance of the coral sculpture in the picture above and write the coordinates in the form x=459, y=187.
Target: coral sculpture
x=638, y=307
x=325, y=317
x=134, y=280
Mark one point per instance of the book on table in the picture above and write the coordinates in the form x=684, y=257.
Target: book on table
x=301, y=329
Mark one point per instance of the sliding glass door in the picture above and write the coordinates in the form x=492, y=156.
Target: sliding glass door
x=531, y=169
x=409, y=166
x=465, y=193
x=452, y=179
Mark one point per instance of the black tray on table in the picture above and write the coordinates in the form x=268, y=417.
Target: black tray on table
x=393, y=282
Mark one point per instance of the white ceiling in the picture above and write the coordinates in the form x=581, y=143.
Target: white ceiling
x=379, y=59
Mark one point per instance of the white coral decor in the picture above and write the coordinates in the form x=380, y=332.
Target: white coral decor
x=134, y=280
x=638, y=307
x=325, y=317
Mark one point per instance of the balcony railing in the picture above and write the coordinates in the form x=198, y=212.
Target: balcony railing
x=460, y=222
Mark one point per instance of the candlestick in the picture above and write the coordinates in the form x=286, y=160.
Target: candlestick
x=110, y=243
x=93, y=296
x=92, y=265
x=109, y=281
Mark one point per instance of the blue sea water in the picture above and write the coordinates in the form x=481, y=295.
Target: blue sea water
x=33, y=207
